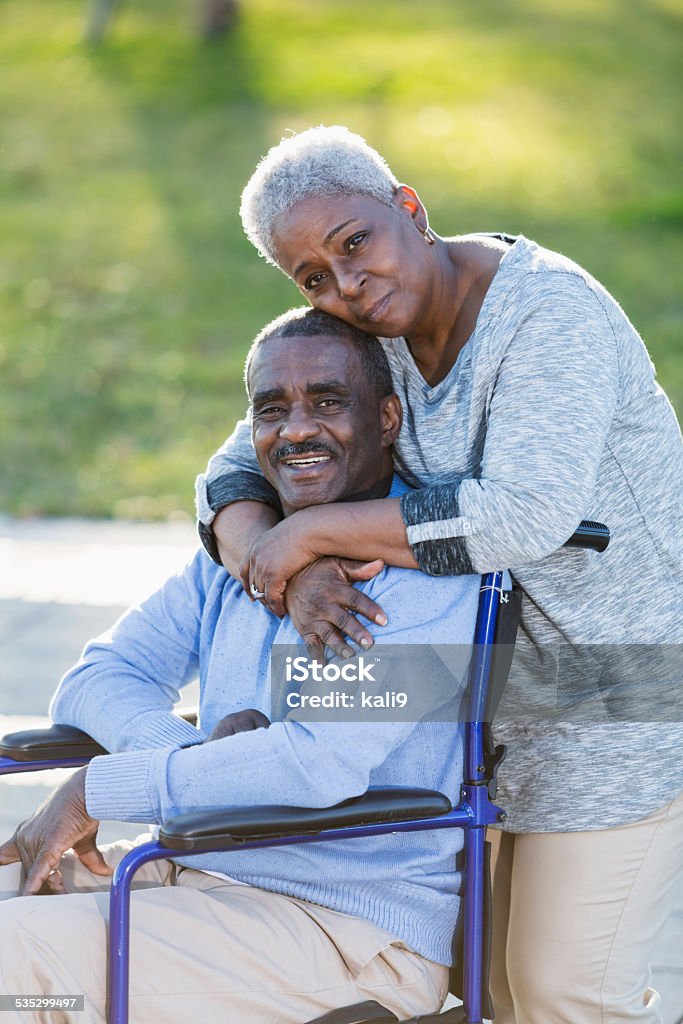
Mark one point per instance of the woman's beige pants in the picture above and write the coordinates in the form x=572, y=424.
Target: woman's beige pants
x=203, y=950
x=576, y=918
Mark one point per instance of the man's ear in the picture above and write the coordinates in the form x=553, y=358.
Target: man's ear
x=407, y=200
x=392, y=418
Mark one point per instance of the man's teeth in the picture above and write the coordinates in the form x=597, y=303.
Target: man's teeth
x=308, y=461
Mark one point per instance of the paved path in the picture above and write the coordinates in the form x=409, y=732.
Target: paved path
x=62, y=581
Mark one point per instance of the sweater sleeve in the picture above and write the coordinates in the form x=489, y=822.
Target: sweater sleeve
x=295, y=763
x=123, y=689
x=552, y=401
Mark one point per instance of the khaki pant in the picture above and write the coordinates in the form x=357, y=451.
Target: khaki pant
x=203, y=949
x=576, y=918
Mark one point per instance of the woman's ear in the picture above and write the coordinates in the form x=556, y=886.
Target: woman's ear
x=407, y=199
x=392, y=418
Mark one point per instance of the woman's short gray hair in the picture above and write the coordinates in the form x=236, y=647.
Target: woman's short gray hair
x=323, y=161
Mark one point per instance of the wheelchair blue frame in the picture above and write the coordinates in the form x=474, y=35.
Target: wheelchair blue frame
x=475, y=811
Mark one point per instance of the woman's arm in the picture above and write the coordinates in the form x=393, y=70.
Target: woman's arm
x=237, y=527
x=363, y=530
x=233, y=477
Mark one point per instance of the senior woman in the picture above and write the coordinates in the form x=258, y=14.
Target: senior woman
x=530, y=403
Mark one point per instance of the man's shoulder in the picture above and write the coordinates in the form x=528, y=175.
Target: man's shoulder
x=415, y=581
x=445, y=607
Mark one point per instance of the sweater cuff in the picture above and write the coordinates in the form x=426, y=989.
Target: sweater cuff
x=436, y=531
x=117, y=786
x=167, y=730
x=239, y=485
x=205, y=514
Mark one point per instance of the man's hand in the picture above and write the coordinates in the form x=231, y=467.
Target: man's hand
x=61, y=823
x=273, y=559
x=323, y=605
x=239, y=721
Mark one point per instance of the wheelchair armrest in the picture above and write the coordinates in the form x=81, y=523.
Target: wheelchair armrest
x=231, y=825
x=57, y=741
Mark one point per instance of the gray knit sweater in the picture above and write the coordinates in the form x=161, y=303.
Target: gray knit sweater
x=550, y=415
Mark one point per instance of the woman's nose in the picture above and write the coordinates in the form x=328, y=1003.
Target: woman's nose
x=350, y=284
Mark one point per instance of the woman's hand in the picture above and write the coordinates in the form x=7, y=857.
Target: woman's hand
x=273, y=559
x=323, y=605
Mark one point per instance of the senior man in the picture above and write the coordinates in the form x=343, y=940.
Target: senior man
x=265, y=935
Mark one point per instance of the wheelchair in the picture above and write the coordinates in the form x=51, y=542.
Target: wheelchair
x=377, y=812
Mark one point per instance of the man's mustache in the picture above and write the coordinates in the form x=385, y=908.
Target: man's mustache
x=305, y=448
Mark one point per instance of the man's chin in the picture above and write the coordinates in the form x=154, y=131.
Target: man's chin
x=305, y=495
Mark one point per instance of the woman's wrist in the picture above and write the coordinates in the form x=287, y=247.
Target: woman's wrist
x=237, y=526
x=315, y=527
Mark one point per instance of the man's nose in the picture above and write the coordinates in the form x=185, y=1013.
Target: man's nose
x=300, y=425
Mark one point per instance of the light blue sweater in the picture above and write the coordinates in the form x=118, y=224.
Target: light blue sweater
x=122, y=692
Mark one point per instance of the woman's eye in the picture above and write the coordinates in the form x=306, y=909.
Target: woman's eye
x=355, y=240
x=313, y=281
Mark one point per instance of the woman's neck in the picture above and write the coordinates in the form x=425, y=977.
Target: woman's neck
x=466, y=269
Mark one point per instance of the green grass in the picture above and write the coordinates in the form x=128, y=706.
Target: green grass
x=128, y=293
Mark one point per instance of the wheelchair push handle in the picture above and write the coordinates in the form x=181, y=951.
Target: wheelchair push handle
x=589, y=534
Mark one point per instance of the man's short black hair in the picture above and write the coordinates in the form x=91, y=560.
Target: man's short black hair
x=309, y=323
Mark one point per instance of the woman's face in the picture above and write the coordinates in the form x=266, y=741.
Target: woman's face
x=360, y=260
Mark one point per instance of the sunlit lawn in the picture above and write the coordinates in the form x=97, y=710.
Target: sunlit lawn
x=128, y=294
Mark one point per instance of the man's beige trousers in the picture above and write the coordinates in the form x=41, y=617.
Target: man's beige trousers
x=576, y=918
x=203, y=949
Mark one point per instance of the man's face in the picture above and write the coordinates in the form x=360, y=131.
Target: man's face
x=320, y=433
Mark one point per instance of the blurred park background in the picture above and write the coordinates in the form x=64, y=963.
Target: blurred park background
x=128, y=292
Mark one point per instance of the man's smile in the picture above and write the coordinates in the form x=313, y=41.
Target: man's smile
x=309, y=460
x=303, y=459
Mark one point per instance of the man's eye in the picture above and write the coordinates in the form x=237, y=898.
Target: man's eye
x=269, y=410
x=327, y=403
x=313, y=281
x=355, y=240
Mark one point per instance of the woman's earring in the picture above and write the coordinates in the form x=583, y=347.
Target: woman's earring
x=429, y=236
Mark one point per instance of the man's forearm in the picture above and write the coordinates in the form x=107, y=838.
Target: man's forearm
x=237, y=526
